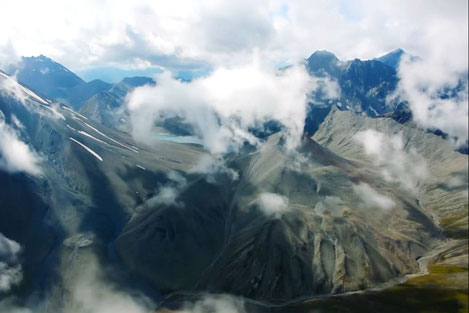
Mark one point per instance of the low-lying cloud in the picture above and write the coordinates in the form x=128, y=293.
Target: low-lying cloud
x=8, y=55
x=15, y=155
x=397, y=165
x=93, y=295
x=210, y=166
x=273, y=204
x=215, y=304
x=10, y=87
x=437, y=94
x=31, y=101
x=86, y=290
x=436, y=84
x=11, y=272
x=371, y=199
x=168, y=193
x=224, y=105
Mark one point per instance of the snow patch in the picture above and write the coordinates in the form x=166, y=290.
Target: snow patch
x=87, y=149
x=90, y=136
x=24, y=90
x=54, y=111
x=113, y=140
x=374, y=111
x=75, y=113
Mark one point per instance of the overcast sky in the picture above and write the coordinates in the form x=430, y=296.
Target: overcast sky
x=187, y=35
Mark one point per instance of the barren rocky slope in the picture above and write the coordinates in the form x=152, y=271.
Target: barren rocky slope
x=267, y=223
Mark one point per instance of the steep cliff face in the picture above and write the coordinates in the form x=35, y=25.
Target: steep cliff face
x=364, y=86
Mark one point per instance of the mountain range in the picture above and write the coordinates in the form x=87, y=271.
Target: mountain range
x=332, y=225
x=55, y=81
x=363, y=85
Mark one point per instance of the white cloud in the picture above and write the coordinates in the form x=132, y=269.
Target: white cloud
x=328, y=88
x=221, y=18
x=372, y=199
x=9, y=249
x=179, y=32
x=184, y=34
x=98, y=297
x=168, y=193
x=215, y=304
x=87, y=289
x=273, y=204
x=177, y=178
x=396, y=164
x=9, y=276
x=11, y=272
x=15, y=155
x=31, y=101
x=17, y=122
x=422, y=82
x=10, y=87
x=211, y=166
x=8, y=55
x=222, y=106
x=91, y=293
x=441, y=42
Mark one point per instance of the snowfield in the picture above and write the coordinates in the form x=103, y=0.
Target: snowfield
x=87, y=149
